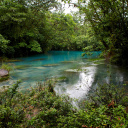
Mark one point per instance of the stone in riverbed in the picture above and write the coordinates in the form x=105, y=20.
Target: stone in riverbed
x=3, y=72
x=4, y=75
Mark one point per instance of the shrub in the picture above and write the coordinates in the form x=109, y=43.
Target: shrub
x=42, y=107
x=11, y=109
x=107, y=93
x=7, y=67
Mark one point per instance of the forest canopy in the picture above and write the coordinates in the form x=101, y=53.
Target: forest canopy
x=29, y=27
x=109, y=21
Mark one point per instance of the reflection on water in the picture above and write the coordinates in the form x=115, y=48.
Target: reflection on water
x=80, y=73
x=80, y=87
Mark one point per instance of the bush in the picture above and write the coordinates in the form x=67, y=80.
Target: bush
x=11, y=109
x=41, y=107
x=7, y=67
x=107, y=93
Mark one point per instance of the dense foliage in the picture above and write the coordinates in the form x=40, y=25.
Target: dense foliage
x=109, y=22
x=28, y=27
x=41, y=107
x=22, y=27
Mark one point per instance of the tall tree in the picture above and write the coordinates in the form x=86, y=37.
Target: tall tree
x=109, y=21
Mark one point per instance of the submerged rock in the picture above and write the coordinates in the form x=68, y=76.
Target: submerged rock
x=50, y=65
x=22, y=66
x=68, y=61
x=40, y=67
x=39, y=59
x=75, y=70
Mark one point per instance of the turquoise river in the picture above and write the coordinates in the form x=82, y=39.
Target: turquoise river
x=77, y=73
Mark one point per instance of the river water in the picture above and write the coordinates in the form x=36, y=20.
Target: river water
x=76, y=73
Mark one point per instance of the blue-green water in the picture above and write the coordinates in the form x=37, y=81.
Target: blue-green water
x=80, y=73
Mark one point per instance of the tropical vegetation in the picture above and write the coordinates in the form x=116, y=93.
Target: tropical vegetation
x=108, y=20
x=29, y=27
x=42, y=107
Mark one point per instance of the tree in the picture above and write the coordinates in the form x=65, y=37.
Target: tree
x=23, y=24
x=3, y=44
x=109, y=21
x=62, y=31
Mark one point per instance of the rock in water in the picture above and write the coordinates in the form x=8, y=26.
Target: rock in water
x=3, y=72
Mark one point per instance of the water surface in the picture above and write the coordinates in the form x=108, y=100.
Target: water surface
x=79, y=72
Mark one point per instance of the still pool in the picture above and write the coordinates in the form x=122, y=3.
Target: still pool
x=78, y=73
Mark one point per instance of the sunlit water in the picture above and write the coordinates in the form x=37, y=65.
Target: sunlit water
x=79, y=72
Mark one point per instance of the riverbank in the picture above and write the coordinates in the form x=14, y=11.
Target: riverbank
x=42, y=107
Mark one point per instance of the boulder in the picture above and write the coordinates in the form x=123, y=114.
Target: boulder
x=3, y=72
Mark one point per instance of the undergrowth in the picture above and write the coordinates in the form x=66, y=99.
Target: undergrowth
x=41, y=107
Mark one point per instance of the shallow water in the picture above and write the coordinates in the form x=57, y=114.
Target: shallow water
x=79, y=72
